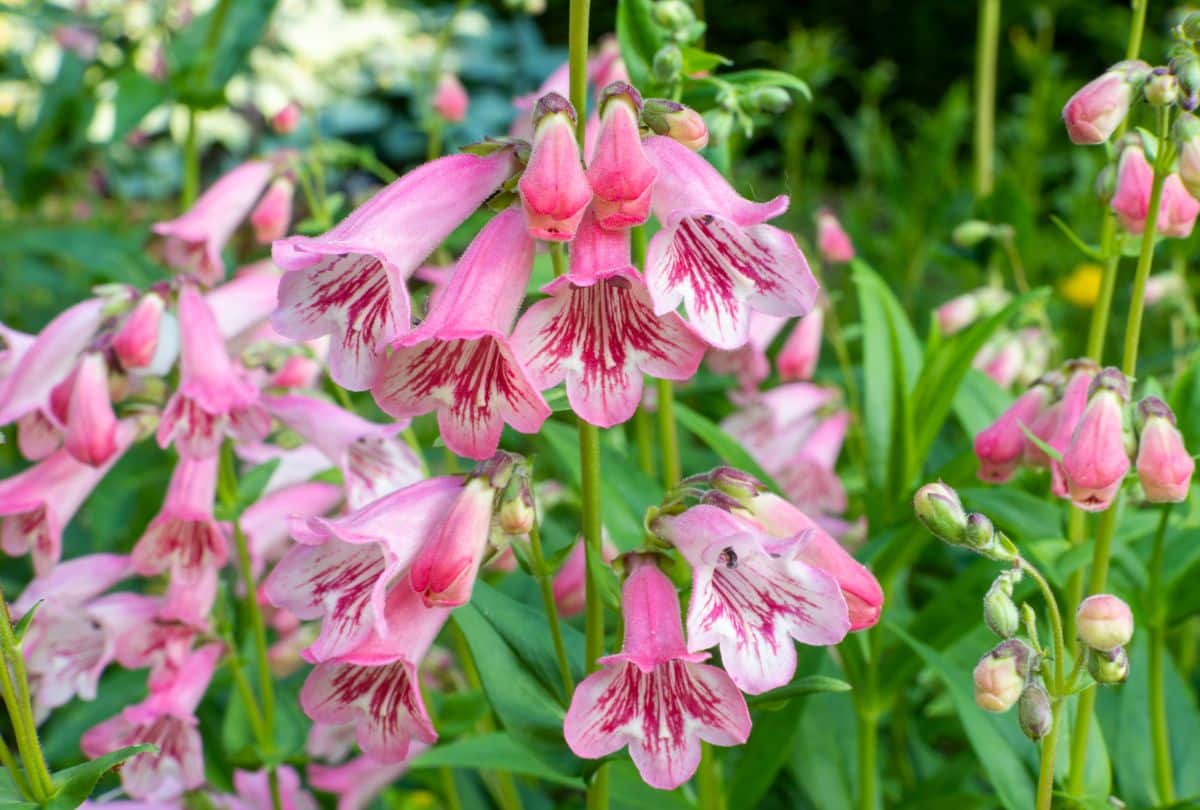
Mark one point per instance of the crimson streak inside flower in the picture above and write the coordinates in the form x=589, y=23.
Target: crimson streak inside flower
x=349, y=282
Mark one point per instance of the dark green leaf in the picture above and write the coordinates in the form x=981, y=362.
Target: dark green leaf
x=496, y=752
x=75, y=784
x=640, y=38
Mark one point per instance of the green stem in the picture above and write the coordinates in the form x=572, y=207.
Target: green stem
x=450, y=789
x=20, y=709
x=868, y=756
x=557, y=259
x=547, y=588
x=191, y=164
x=708, y=780
x=1045, y=788
x=986, y=43
x=1076, y=535
x=1045, y=785
x=577, y=47
x=245, y=691
x=668, y=434
x=14, y=771
x=1163, y=776
x=1110, y=247
x=642, y=431
x=1136, y=26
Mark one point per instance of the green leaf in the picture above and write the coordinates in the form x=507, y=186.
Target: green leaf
x=979, y=401
x=1004, y=769
x=628, y=791
x=22, y=625
x=724, y=445
x=696, y=60
x=495, y=752
x=750, y=80
x=198, y=73
x=640, y=38
x=136, y=95
x=75, y=784
x=253, y=482
x=807, y=685
x=1088, y=250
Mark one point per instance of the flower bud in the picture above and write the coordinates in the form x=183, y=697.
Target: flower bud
x=285, y=120
x=1178, y=209
x=1167, y=286
x=1000, y=676
x=773, y=100
x=680, y=123
x=516, y=513
x=137, y=340
x=1164, y=466
x=1104, y=622
x=1162, y=88
x=970, y=233
x=832, y=239
x=1097, y=109
x=734, y=482
x=554, y=188
x=271, y=217
x=450, y=100
x=1108, y=666
x=1000, y=613
x=980, y=534
x=1096, y=460
x=1034, y=713
x=667, y=65
x=939, y=508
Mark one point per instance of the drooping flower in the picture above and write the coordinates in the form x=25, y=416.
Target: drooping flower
x=1001, y=445
x=832, y=239
x=212, y=397
x=349, y=282
x=654, y=696
x=458, y=361
x=598, y=331
x=271, y=217
x=375, y=685
x=801, y=351
x=1131, y=197
x=195, y=239
x=136, y=342
x=1096, y=460
x=1177, y=210
x=184, y=537
x=714, y=254
x=372, y=459
x=619, y=173
x=450, y=100
x=37, y=503
x=91, y=435
x=1164, y=466
x=1099, y=107
x=343, y=567
x=752, y=596
x=554, y=187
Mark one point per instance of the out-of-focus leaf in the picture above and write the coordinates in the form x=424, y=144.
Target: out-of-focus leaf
x=807, y=685
x=750, y=80
x=136, y=95
x=979, y=401
x=207, y=54
x=640, y=37
x=629, y=791
x=75, y=784
x=496, y=752
x=724, y=445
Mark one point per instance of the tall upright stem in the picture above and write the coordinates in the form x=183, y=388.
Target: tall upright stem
x=1045, y=788
x=668, y=434
x=19, y=701
x=547, y=588
x=985, y=95
x=1164, y=778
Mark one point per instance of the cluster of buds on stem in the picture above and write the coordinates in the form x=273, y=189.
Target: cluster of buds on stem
x=940, y=509
x=1105, y=625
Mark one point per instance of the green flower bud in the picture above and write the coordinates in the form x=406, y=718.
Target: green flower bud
x=668, y=64
x=773, y=100
x=1033, y=711
x=1000, y=613
x=734, y=482
x=1108, y=666
x=675, y=15
x=1162, y=88
x=970, y=233
x=1190, y=28
x=939, y=508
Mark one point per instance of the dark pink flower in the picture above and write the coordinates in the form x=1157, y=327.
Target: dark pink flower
x=620, y=175
x=136, y=342
x=714, y=254
x=569, y=585
x=349, y=282
x=554, y=188
x=91, y=435
x=1001, y=445
x=801, y=351
x=1066, y=413
x=458, y=361
x=654, y=696
x=450, y=100
x=1164, y=466
x=444, y=571
x=1131, y=197
x=1178, y=209
x=1095, y=462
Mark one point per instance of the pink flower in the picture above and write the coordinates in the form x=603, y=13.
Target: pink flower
x=184, y=537
x=38, y=435
x=832, y=240
x=91, y=424
x=450, y=99
x=598, y=330
x=254, y=791
x=675, y=121
x=1000, y=446
x=167, y=720
x=38, y=502
x=749, y=362
x=242, y=304
x=752, y=596
x=266, y=521
x=1096, y=461
x=569, y=584
x=1066, y=413
x=361, y=779
x=654, y=696
x=554, y=188
x=1164, y=465
x=458, y=361
x=349, y=282
x=444, y=571
x=375, y=685
x=1099, y=107
x=1178, y=209
x=195, y=239
x=136, y=342
x=373, y=461
x=620, y=175
x=714, y=253
x=40, y=365
x=801, y=351
x=864, y=596
x=809, y=476
x=1002, y=359
x=271, y=217
x=343, y=567
x=286, y=120
x=212, y=398
x=1131, y=198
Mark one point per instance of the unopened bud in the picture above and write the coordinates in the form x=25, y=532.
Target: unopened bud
x=674, y=14
x=735, y=482
x=680, y=123
x=970, y=233
x=980, y=534
x=1108, y=666
x=1000, y=676
x=1104, y=622
x=939, y=508
x=1000, y=613
x=668, y=64
x=773, y=100
x=137, y=340
x=1034, y=713
x=516, y=514
x=1190, y=28
x=1162, y=89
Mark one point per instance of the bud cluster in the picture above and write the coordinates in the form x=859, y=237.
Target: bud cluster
x=1105, y=625
x=939, y=508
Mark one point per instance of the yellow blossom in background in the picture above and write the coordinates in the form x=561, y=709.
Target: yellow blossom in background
x=1082, y=287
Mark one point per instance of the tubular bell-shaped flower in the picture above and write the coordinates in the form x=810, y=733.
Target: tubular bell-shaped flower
x=714, y=253
x=832, y=239
x=654, y=696
x=458, y=361
x=91, y=435
x=372, y=460
x=750, y=594
x=1164, y=465
x=598, y=330
x=343, y=567
x=801, y=351
x=554, y=188
x=375, y=685
x=1000, y=446
x=184, y=537
x=1096, y=460
x=620, y=175
x=349, y=282
x=194, y=240
x=136, y=342
x=212, y=398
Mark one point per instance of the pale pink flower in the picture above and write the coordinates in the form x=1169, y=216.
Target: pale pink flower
x=184, y=537
x=349, y=282
x=213, y=398
x=373, y=460
x=459, y=361
x=195, y=239
x=570, y=583
x=1001, y=445
x=1099, y=107
x=554, y=188
x=266, y=521
x=271, y=217
x=598, y=331
x=619, y=173
x=749, y=362
x=136, y=342
x=38, y=502
x=450, y=100
x=253, y=791
x=1178, y=209
x=809, y=476
x=361, y=779
x=752, y=596
x=242, y=305
x=1131, y=197
x=1104, y=622
x=343, y=567
x=1002, y=359
x=832, y=240
x=714, y=254
x=91, y=435
x=375, y=685
x=38, y=434
x=654, y=696
x=1164, y=466
x=1066, y=414
x=444, y=571
x=801, y=351
x=1095, y=462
